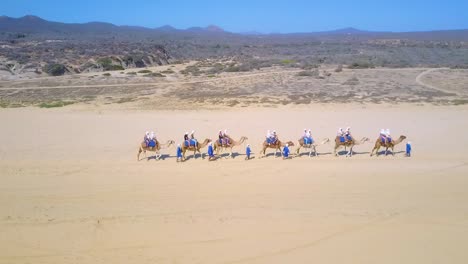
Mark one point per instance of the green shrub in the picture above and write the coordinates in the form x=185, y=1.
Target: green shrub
x=145, y=71
x=55, y=104
x=107, y=74
x=154, y=74
x=55, y=69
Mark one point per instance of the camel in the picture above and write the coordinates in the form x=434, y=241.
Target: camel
x=156, y=149
x=311, y=147
x=218, y=147
x=277, y=146
x=348, y=143
x=386, y=145
x=195, y=149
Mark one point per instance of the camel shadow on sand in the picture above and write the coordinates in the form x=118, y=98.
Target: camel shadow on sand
x=162, y=157
x=389, y=153
x=306, y=154
x=343, y=153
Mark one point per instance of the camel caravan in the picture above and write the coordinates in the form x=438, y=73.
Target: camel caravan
x=225, y=144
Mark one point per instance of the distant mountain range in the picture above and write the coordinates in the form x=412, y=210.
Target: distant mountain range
x=36, y=26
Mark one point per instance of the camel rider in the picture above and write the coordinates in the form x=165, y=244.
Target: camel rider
x=226, y=137
x=179, y=153
x=146, y=138
x=192, y=137
x=309, y=136
x=340, y=135
x=221, y=137
x=286, y=151
x=186, y=139
x=387, y=134
x=305, y=133
x=151, y=140
x=348, y=136
x=274, y=137
x=268, y=137
x=383, y=136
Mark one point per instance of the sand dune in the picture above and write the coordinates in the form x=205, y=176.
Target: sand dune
x=73, y=192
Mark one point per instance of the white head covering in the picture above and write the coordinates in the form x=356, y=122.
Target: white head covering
x=274, y=132
x=186, y=133
x=309, y=130
x=147, y=133
x=409, y=142
x=387, y=131
x=178, y=145
x=225, y=131
x=193, y=131
x=348, y=128
x=305, y=130
x=287, y=145
x=248, y=145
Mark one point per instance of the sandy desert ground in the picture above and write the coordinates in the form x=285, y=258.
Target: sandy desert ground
x=73, y=192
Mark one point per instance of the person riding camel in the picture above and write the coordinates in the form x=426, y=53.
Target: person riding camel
x=387, y=134
x=268, y=137
x=146, y=138
x=151, y=140
x=221, y=137
x=226, y=138
x=340, y=135
x=274, y=137
x=348, y=136
x=192, y=137
x=383, y=136
x=186, y=139
x=309, y=136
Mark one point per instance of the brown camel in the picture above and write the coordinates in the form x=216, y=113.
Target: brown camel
x=277, y=146
x=232, y=143
x=348, y=143
x=195, y=149
x=156, y=149
x=386, y=145
x=311, y=147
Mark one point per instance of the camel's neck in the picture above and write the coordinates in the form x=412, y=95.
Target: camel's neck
x=398, y=141
x=237, y=143
x=202, y=145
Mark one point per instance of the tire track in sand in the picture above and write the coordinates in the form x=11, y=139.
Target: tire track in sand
x=426, y=72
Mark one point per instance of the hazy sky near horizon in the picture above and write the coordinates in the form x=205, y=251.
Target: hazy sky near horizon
x=262, y=16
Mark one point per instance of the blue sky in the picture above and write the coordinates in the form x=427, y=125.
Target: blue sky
x=261, y=16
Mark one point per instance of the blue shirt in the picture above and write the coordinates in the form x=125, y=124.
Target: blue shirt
x=248, y=151
x=408, y=148
x=210, y=151
x=286, y=151
x=179, y=152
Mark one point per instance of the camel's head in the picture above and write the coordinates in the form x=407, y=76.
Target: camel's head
x=365, y=139
x=171, y=142
x=290, y=143
x=402, y=137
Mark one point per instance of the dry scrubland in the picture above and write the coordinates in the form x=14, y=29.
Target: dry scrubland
x=191, y=85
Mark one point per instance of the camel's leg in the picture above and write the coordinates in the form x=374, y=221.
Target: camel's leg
x=298, y=149
x=315, y=151
x=386, y=151
x=336, y=148
x=393, y=153
x=138, y=155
